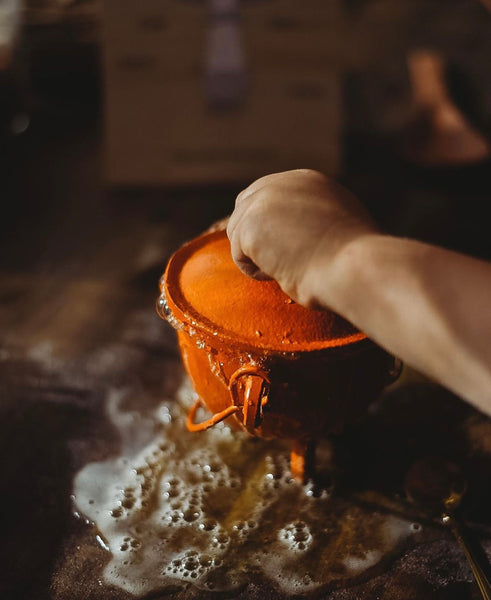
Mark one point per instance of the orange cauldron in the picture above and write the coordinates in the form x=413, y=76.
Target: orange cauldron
x=256, y=358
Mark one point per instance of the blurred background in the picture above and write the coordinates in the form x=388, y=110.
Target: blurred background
x=102, y=97
x=128, y=127
x=181, y=94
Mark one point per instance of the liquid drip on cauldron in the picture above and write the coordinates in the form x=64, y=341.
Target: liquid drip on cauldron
x=220, y=509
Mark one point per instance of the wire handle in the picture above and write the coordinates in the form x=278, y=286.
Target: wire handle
x=243, y=399
x=216, y=418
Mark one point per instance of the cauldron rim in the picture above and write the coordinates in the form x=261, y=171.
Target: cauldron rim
x=173, y=306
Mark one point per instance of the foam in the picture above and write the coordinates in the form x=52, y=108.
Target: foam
x=217, y=509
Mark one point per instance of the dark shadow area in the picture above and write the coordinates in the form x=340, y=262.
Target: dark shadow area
x=37, y=471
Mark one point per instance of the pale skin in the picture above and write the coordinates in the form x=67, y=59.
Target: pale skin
x=429, y=306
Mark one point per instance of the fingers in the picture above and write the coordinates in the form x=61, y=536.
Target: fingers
x=236, y=221
x=260, y=210
x=250, y=269
x=235, y=218
x=242, y=203
x=243, y=262
x=246, y=196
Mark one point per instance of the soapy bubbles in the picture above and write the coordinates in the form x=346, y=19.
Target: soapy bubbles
x=217, y=509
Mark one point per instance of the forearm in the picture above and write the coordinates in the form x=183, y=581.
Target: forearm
x=428, y=306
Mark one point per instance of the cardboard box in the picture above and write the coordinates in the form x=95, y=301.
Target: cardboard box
x=197, y=98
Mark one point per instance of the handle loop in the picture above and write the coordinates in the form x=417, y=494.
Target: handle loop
x=243, y=399
x=216, y=418
x=251, y=403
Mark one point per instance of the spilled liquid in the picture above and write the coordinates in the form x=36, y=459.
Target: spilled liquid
x=219, y=509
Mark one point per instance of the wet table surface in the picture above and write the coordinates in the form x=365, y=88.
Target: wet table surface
x=80, y=268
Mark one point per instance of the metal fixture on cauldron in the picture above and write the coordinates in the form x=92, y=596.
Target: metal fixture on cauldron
x=261, y=361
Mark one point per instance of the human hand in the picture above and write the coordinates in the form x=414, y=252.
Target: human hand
x=286, y=223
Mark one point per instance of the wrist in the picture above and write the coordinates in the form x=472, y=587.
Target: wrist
x=337, y=275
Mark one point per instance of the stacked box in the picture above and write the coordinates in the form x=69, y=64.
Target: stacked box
x=219, y=91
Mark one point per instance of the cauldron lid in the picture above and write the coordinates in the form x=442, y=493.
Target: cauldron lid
x=205, y=290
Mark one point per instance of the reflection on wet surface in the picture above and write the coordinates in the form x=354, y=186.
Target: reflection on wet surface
x=218, y=511
x=219, y=508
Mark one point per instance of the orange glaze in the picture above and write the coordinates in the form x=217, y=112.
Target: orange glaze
x=291, y=372
x=204, y=283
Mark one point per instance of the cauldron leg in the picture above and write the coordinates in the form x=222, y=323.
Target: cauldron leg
x=302, y=459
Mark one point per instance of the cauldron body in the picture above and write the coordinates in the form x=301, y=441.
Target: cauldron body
x=256, y=358
x=308, y=394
